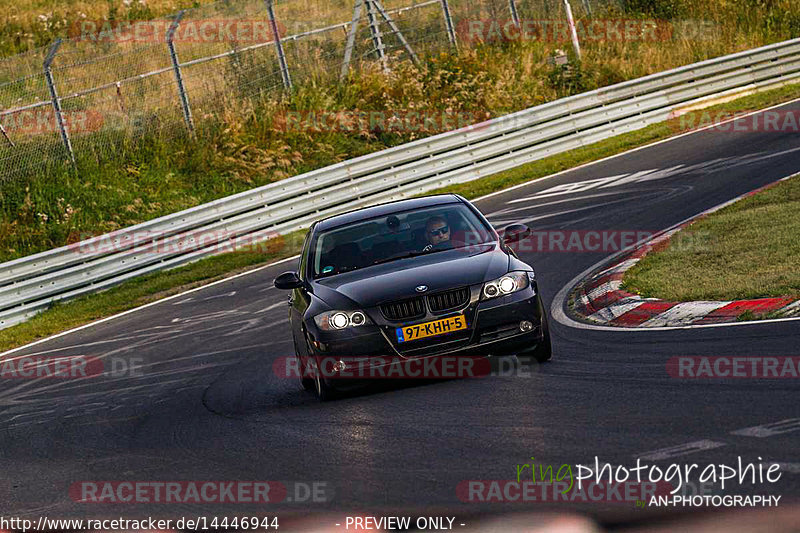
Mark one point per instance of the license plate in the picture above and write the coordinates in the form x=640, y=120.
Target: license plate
x=430, y=329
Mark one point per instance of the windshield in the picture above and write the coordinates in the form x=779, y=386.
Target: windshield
x=396, y=237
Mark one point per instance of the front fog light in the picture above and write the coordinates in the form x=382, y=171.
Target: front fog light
x=525, y=326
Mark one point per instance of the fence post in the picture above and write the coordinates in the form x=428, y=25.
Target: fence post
x=287, y=80
x=451, y=31
x=5, y=134
x=351, y=40
x=573, y=32
x=512, y=4
x=396, y=30
x=176, y=67
x=375, y=31
x=51, y=84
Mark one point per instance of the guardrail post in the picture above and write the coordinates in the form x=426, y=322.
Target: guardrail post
x=176, y=67
x=375, y=31
x=287, y=80
x=351, y=40
x=512, y=5
x=451, y=31
x=51, y=85
x=572, y=31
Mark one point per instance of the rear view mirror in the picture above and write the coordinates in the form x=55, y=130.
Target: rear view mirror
x=288, y=281
x=515, y=233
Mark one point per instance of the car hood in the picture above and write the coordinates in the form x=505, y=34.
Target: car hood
x=399, y=279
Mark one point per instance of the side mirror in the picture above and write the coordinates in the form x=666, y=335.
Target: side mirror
x=515, y=233
x=288, y=281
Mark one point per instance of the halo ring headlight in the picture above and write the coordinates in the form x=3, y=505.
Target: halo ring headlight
x=357, y=319
x=507, y=285
x=491, y=290
x=340, y=321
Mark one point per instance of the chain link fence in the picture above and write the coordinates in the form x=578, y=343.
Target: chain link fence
x=109, y=83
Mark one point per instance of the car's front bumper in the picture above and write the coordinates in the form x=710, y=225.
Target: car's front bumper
x=494, y=328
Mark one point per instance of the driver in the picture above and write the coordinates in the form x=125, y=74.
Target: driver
x=437, y=231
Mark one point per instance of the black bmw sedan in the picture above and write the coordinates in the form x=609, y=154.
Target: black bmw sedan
x=408, y=280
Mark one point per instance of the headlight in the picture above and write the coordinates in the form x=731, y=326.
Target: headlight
x=333, y=320
x=511, y=282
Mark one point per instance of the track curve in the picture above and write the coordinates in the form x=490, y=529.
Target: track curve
x=204, y=403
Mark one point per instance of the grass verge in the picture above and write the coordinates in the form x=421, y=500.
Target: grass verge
x=149, y=288
x=747, y=250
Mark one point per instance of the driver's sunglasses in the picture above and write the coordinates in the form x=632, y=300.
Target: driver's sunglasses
x=440, y=231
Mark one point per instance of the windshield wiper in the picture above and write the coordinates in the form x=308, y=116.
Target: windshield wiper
x=407, y=255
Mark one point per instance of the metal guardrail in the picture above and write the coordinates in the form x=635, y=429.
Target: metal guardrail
x=30, y=284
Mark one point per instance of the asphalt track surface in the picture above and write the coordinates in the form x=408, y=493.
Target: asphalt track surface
x=205, y=404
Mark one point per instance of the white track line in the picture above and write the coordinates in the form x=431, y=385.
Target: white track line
x=681, y=449
x=145, y=306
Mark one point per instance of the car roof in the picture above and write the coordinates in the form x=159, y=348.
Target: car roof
x=386, y=209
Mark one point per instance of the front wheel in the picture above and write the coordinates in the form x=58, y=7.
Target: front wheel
x=323, y=391
x=544, y=349
x=306, y=382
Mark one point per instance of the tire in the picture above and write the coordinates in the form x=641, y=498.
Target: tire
x=323, y=391
x=544, y=349
x=305, y=382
